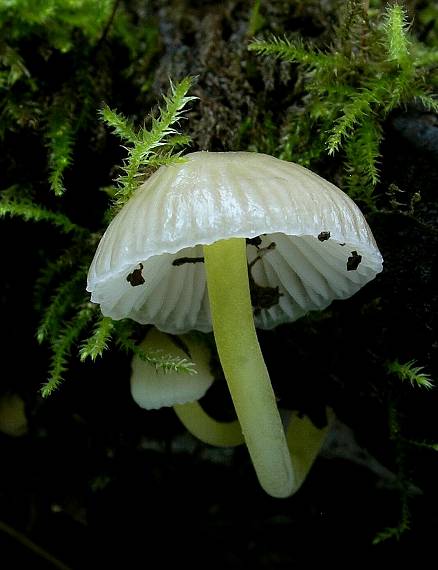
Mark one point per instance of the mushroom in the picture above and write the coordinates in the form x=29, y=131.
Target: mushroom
x=153, y=389
x=226, y=241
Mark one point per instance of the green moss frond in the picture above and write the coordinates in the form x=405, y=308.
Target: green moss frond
x=14, y=204
x=396, y=91
x=404, y=485
x=141, y=43
x=157, y=358
x=166, y=159
x=62, y=348
x=411, y=373
x=296, y=51
x=422, y=444
x=428, y=102
x=47, y=275
x=120, y=125
x=346, y=90
x=145, y=143
x=367, y=151
x=362, y=158
x=163, y=129
x=355, y=111
x=98, y=342
x=424, y=57
x=63, y=300
x=297, y=141
x=12, y=66
x=60, y=141
x=256, y=20
x=396, y=532
x=176, y=141
x=395, y=34
x=58, y=20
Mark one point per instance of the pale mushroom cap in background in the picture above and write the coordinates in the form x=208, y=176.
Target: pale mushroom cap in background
x=154, y=389
x=13, y=420
x=216, y=196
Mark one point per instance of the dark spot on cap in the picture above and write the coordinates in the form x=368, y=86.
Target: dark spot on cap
x=136, y=278
x=353, y=261
x=324, y=236
x=257, y=241
x=263, y=297
x=183, y=260
x=342, y=244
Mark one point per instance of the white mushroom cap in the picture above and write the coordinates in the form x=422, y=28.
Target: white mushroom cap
x=152, y=389
x=215, y=196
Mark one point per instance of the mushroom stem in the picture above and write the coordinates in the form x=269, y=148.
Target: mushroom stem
x=207, y=429
x=243, y=365
x=305, y=441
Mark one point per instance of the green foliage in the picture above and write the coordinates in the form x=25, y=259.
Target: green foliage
x=157, y=358
x=67, y=338
x=423, y=444
x=397, y=531
x=72, y=37
x=355, y=111
x=31, y=97
x=347, y=90
x=14, y=203
x=98, y=342
x=120, y=125
x=402, y=482
x=397, y=42
x=58, y=19
x=67, y=314
x=297, y=51
x=362, y=155
x=411, y=373
x=149, y=147
x=256, y=21
x=60, y=139
x=428, y=17
x=12, y=67
x=61, y=303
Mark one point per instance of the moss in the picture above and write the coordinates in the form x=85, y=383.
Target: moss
x=347, y=89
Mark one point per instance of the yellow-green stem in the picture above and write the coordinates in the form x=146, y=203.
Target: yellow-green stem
x=305, y=441
x=244, y=367
x=207, y=429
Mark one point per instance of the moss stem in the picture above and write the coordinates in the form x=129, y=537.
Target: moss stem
x=244, y=367
x=207, y=429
